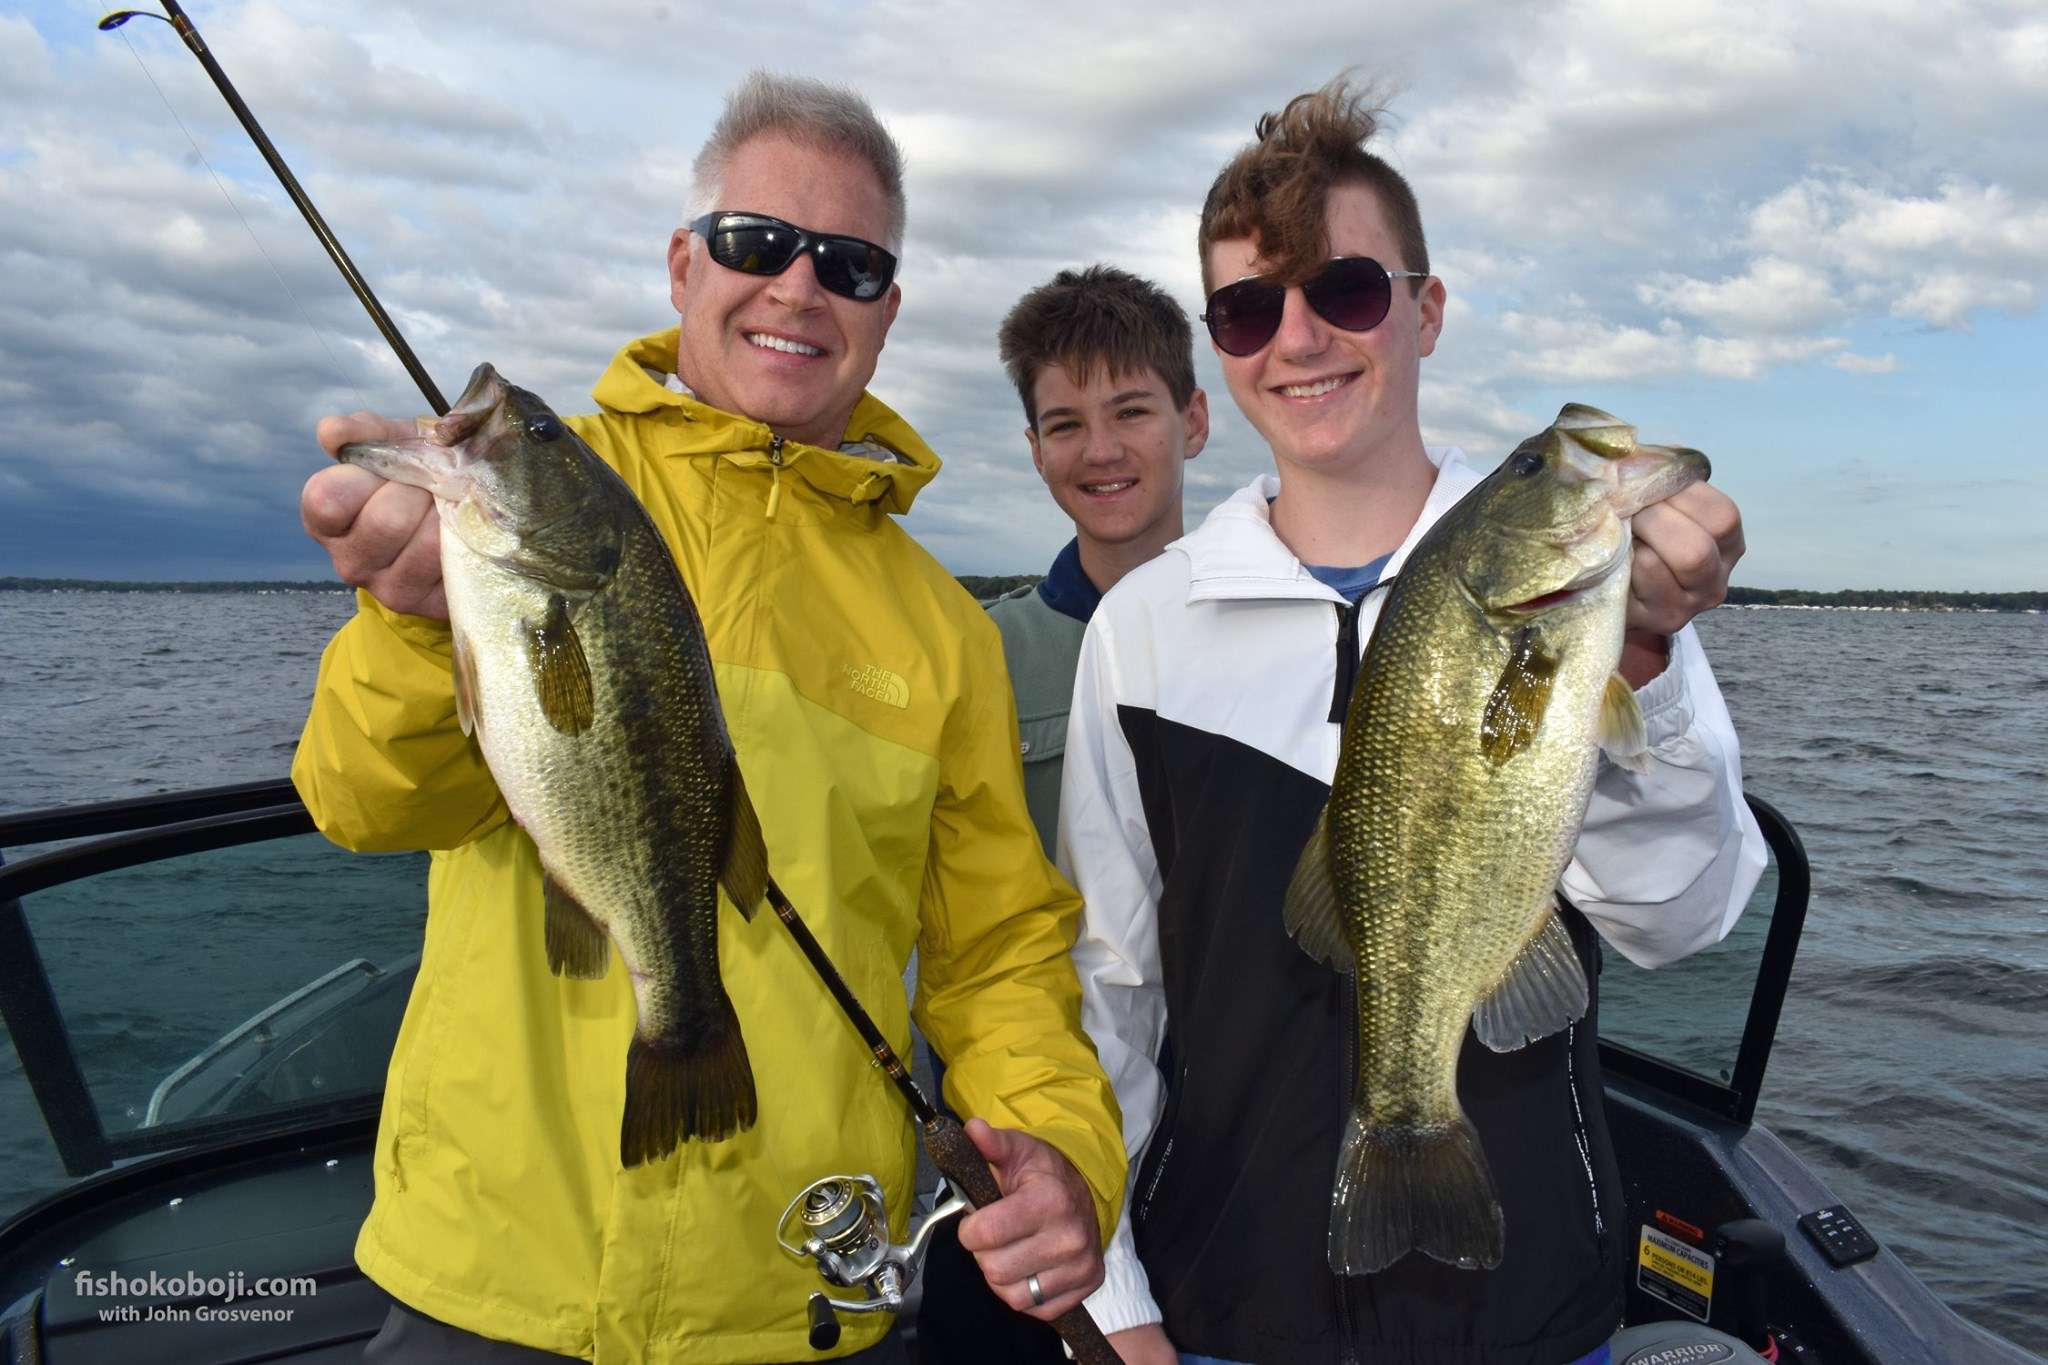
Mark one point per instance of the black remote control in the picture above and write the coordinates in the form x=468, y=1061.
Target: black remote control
x=1838, y=1235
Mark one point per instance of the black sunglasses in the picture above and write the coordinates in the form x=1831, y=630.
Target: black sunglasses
x=1352, y=292
x=760, y=245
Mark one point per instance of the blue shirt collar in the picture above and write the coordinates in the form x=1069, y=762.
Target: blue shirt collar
x=1066, y=588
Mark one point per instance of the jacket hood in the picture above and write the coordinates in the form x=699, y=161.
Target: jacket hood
x=628, y=387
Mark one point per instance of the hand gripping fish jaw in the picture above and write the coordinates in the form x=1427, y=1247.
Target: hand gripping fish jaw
x=843, y=1223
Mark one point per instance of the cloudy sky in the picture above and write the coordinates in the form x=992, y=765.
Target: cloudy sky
x=1809, y=239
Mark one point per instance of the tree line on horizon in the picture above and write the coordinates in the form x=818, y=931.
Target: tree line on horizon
x=987, y=587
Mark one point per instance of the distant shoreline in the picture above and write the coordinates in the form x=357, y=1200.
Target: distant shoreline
x=204, y=586
x=986, y=587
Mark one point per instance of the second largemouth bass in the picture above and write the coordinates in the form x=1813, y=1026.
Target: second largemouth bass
x=1474, y=732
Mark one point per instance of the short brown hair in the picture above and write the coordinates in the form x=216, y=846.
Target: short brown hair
x=1101, y=317
x=1277, y=189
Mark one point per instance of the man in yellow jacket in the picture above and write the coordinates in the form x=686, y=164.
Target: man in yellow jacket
x=866, y=697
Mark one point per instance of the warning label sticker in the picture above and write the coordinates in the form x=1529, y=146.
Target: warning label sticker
x=1679, y=1275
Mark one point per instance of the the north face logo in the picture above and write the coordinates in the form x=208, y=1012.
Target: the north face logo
x=879, y=684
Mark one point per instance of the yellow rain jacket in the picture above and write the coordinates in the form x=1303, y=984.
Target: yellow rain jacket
x=867, y=699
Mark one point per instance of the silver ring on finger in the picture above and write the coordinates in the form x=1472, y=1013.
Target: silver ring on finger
x=1037, y=1293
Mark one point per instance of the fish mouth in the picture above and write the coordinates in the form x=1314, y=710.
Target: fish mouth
x=438, y=457
x=1653, y=473
x=1570, y=592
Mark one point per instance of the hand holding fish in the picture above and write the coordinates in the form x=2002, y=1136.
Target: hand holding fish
x=382, y=536
x=1042, y=1229
x=1685, y=548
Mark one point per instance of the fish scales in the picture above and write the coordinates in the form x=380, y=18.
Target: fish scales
x=582, y=671
x=624, y=815
x=1470, y=747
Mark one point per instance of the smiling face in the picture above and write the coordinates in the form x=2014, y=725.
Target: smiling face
x=1324, y=398
x=778, y=348
x=1113, y=453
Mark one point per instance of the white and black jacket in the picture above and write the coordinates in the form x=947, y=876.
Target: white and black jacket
x=1199, y=755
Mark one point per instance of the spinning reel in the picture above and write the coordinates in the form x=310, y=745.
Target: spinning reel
x=841, y=1223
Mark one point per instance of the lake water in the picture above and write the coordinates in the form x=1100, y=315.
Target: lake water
x=1910, y=749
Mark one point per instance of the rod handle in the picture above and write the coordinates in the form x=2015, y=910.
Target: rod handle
x=961, y=1162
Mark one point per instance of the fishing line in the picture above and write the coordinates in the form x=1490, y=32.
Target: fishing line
x=362, y=403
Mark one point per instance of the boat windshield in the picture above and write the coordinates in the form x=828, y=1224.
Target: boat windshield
x=202, y=968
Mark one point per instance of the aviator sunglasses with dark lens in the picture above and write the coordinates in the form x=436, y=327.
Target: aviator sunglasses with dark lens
x=1352, y=292
x=759, y=245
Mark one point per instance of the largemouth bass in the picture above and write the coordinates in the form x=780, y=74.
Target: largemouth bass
x=1474, y=732
x=581, y=670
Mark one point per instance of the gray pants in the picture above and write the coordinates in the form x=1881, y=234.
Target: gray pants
x=412, y=1338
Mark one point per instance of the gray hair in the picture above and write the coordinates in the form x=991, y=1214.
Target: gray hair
x=811, y=113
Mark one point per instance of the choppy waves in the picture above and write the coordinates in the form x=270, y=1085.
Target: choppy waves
x=1911, y=750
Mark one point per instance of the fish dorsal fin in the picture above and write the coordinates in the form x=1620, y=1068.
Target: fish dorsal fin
x=467, y=694
x=561, y=673
x=1310, y=910
x=745, y=874
x=1515, y=710
x=1623, y=735
x=1543, y=991
x=577, y=947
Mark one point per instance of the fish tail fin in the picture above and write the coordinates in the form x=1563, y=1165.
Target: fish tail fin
x=1412, y=1187
x=701, y=1086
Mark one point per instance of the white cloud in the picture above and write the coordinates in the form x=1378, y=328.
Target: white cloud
x=1676, y=198
x=1773, y=295
x=1935, y=258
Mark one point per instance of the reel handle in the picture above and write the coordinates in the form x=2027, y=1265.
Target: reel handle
x=824, y=1334
x=961, y=1162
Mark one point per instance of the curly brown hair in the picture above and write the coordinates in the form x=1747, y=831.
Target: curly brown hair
x=1276, y=190
x=1098, y=319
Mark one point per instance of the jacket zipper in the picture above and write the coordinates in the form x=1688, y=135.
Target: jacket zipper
x=1571, y=1074
x=774, y=475
x=1166, y=1152
x=1347, y=658
x=1348, y=651
x=1158, y=1173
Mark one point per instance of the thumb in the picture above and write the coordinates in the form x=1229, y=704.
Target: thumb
x=1000, y=1147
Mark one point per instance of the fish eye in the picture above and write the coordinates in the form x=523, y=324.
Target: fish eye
x=545, y=427
x=1525, y=462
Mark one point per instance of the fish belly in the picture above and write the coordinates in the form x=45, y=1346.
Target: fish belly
x=629, y=818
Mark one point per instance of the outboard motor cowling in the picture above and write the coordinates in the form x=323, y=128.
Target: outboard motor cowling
x=1679, y=1343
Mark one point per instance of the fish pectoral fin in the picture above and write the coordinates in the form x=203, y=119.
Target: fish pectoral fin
x=1543, y=991
x=1515, y=710
x=577, y=947
x=561, y=673
x=1310, y=910
x=467, y=693
x=745, y=874
x=1623, y=736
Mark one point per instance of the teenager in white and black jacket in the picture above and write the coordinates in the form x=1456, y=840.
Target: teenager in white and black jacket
x=1204, y=734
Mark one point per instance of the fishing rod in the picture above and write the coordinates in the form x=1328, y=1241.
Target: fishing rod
x=190, y=33
x=947, y=1143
